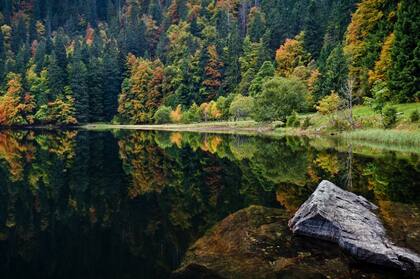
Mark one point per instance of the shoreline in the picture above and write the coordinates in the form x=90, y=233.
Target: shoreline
x=239, y=127
x=391, y=139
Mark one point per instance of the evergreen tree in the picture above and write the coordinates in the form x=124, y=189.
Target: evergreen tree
x=56, y=77
x=334, y=75
x=404, y=76
x=95, y=87
x=112, y=81
x=312, y=27
x=231, y=58
x=2, y=57
x=60, y=51
x=256, y=25
x=77, y=76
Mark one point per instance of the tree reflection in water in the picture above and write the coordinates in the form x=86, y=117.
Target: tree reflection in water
x=130, y=203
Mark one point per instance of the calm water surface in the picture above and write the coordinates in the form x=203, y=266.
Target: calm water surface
x=129, y=204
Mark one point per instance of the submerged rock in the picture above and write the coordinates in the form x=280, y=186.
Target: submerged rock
x=255, y=242
x=334, y=214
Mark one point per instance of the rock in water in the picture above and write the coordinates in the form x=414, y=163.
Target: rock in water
x=334, y=214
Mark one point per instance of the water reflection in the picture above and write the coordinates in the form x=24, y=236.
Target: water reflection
x=129, y=204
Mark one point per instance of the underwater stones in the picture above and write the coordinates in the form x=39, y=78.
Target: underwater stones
x=336, y=215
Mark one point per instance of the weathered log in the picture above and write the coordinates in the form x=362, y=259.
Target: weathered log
x=334, y=214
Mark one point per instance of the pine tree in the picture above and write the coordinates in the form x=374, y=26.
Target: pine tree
x=2, y=57
x=56, y=77
x=231, y=58
x=60, y=51
x=256, y=25
x=77, y=75
x=404, y=76
x=95, y=87
x=266, y=72
x=312, y=27
x=334, y=75
x=112, y=81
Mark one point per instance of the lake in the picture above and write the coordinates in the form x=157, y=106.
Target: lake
x=134, y=204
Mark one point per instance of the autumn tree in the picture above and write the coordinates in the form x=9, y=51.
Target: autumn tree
x=16, y=105
x=291, y=55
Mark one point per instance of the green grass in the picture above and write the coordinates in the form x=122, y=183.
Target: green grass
x=391, y=137
x=370, y=131
x=404, y=109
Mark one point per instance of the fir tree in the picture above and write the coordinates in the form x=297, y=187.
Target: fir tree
x=77, y=74
x=404, y=76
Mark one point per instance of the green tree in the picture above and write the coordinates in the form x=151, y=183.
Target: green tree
x=334, y=75
x=404, y=76
x=241, y=106
x=77, y=75
x=256, y=24
x=265, y=73
x=162, y=115
x=279, y=98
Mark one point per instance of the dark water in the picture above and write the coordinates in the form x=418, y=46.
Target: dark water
x=129, y=204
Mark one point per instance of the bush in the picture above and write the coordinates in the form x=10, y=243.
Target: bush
x=193, y=115
x=415, y=116
x=279, y=98
x=241, y=106
x=176, y=115
x=162, y=115
x=329, y=104
x=293, y=120
x=306, y=123
x=381, y=94
x=340, y=124
x=389, y=116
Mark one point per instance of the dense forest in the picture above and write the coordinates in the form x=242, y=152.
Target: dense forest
x=142, y=61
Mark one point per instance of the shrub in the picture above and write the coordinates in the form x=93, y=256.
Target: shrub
x=329, y=104
x=293, y=120
x=306, y=123
x=176, y=115
x=241, y=106
x=415, y=116
x=389, y=116
x=193, y=115
x=162, y=115
x=279, y=98
x=381, y=94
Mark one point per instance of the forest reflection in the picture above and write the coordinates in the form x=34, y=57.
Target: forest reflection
x=76, y=203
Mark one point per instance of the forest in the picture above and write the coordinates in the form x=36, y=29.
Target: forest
x=184, y=61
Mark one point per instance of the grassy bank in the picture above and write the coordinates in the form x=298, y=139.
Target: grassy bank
x=248, y=127
x=370, y=131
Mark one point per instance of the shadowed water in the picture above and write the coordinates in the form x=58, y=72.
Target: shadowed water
x=129, y=204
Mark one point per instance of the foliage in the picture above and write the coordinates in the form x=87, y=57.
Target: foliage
x=279, y=98
x=291, y=55
x=16, y=106
x=162, y=115
x=293, y=120
x=404, y=79
x=415, y=116
x=381, y=95
x=329, y=104
x=176, y=115
x=193, y=114
x=59, y=112
x=306, y=123
x=141, y=92
x=241, y=106
x=389, y=116
x=265, y=73
x=370, y=26
x=180, y=52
